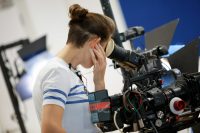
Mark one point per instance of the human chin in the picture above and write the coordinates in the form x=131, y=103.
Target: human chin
x=88, y=65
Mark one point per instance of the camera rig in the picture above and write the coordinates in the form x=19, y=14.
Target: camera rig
x=145, y=104
x=154, y=99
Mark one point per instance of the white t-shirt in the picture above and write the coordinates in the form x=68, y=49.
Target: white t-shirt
x=59, y=85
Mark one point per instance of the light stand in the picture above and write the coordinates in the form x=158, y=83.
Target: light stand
x=5, y=71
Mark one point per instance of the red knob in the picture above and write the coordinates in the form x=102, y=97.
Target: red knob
x=179, y=105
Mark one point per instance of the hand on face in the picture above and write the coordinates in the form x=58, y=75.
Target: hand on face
x=99, y=60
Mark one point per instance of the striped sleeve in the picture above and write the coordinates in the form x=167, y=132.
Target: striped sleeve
x=56, y=87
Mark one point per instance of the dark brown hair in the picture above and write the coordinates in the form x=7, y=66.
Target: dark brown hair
x=84, y=24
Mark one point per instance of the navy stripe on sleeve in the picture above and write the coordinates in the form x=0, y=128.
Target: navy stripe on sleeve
x=75, y=87
x=55, y=98
x=73, y=94
x=55, y=90
x=77, y=101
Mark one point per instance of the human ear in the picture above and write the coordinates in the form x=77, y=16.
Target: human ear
x=94, y=42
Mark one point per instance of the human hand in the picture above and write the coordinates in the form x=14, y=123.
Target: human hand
x=99, y=60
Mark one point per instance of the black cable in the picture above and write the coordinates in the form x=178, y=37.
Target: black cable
x=70, y=66
x=78, y=73
x=156, y=131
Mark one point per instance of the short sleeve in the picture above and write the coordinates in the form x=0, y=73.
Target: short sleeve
x=56, y=87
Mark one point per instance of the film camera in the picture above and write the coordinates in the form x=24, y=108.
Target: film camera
x=147, y=104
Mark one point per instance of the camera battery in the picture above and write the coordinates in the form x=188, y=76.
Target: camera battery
x=99, y=106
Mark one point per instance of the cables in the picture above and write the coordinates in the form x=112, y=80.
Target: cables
x=115, y=121
x=154, y=127
x=135, y=100
x=125, y=101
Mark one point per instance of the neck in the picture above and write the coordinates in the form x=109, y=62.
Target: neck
x=71, y=55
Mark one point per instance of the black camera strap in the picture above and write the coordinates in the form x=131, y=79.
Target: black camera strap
x=77, y=72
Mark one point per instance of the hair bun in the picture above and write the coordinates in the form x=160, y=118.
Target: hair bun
x=77, y=12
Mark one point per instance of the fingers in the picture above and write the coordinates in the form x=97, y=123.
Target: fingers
x=101, y=49
x=99, y=54
x=93, y=56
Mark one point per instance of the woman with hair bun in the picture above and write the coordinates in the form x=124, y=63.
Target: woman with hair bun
x=60, y=97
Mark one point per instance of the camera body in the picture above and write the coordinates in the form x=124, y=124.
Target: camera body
x=147, y=103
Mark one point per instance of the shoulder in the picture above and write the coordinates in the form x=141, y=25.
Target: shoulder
x=56, y=67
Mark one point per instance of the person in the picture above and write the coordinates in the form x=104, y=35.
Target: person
x=60, y=97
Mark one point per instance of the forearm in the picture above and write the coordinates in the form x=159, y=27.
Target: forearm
x=99, y=85
x=51, y=128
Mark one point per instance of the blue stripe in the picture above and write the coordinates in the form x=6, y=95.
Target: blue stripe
x=55, y=90
x=75, y=87
x=55, y=98
x=73, y=94
x=78, y=101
